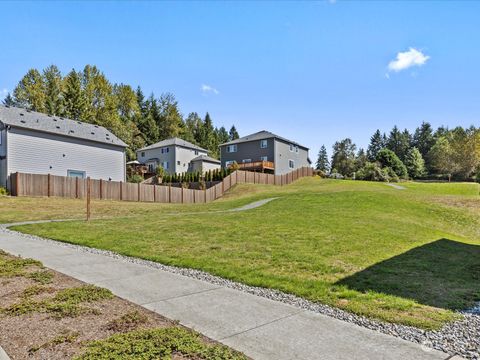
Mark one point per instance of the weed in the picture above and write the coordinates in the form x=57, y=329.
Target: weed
x=127, y=322
x=42, y=277
x=82, y=294
x=66, y=337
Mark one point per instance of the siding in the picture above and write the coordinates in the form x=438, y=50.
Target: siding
x=3, y=153
x=283, y=155
x=248, y=150
x=185, y=155
x=203, y=166
x=176, y=153
x=41, y=153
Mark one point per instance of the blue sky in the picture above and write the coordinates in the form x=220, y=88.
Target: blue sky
x=314, y=72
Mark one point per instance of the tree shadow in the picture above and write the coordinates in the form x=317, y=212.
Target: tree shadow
x=443, y=273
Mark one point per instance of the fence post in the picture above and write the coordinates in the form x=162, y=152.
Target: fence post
x=121, y=190
x=49, y=180
x=101, y=189
x=138, y=191
x=154, y=193
x=182, y=193
x=236, y=172
x=169, y=192
x=76, y=188
x=17, y=183
x=88, y=198
x=205, y=193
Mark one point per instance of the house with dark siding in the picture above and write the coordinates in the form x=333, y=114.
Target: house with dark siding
x=265, y=151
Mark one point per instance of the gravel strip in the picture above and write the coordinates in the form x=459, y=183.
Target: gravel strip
x=457, y=338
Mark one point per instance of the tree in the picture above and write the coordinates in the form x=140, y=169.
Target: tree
x=399, y=142
x=423, y=140
x=233, y=133
x=442, y=157
x=377, y=143
x=343, y=158
x=9, y=101
x=361, y=159
x=170, y=122
x=54, y=101
x=73, y=97
x=415, y=163
x=222, y=135
x=30, y=91
x=322, y=162
x=388, y=159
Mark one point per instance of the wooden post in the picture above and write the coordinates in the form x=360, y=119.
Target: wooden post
x=154, y=193
x=76, y=188
x=170, y=193
x=215, y=192
x=205, y=192
x=88, y=198
x=121, y=190
x=17, y=184
x=101, y=189
x=182, y=193
x=49, y=180
x=138, y=191
x=223, y=187
x=230, y=181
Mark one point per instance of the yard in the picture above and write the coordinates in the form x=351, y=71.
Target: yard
x=406, y=256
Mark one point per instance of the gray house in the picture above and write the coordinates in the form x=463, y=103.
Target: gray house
x=265, y=151
x=204, y=163
x=31, y=142
x=174, y=155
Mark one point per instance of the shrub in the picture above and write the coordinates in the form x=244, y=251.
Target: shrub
x=372, y=172
x=3, y=191
x=135, y=178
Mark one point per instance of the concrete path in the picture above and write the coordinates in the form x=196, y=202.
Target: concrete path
x=261, y=328
x=398, y=187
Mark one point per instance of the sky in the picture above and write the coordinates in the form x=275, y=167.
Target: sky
x=314, y=72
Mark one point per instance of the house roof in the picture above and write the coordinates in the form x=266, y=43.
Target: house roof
x=206, y=159
x=261, y=135
x=173, y=141
x=32, y=120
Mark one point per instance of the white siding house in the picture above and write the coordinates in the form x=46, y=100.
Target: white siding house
x=36, y=143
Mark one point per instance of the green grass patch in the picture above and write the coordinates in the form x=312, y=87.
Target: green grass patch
x=127, y=322
x=364, y=247
x=66, y=337
x=42, y=276
x=157, y=344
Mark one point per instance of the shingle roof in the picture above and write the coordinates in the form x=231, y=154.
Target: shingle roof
x=206, y=158
x=260, y=136
x=32, y=120
x=173, y=141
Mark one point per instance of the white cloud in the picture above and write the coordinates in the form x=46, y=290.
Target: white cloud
x=3, y=93
x=407, y=59
x=209, y=89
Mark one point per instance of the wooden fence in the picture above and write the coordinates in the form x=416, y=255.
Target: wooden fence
x=68, y=187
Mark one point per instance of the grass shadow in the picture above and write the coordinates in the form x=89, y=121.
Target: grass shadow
x=443, y=273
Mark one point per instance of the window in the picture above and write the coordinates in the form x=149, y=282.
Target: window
x=143, y=153
x=263, y=144
x=196, y=152
x=291, y=164
x=291, y=147
x=296, y=149
x=76, y=174
x=246, y=161
x=165, y=150
x=151, y=168
x=178, y=162
x=263, y=158
x=165, y=165
x=229, y=163
x=232, y=148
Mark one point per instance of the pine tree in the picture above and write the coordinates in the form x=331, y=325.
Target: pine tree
x=233, y=133
x=54, y=102
x=9, y=101
x=360, y=159
x=322, y=162
x=73, y=96
x=343, y=158
x=423, y=140
x=415, y=163
x=377, y=143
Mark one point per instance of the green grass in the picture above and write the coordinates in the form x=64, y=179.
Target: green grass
x=405, y=256
x=157, y=344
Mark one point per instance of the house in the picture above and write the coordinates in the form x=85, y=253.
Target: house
x=203, y=164
x=174, y=155
x=32, y=142
x=266, y=152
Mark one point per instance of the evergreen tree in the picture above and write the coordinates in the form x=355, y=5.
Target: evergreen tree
x=9, y=101
x=388, y=159
x=377, y=143
x=415, y=163
x=170, y=122
x=233, y=133
x=322, y=162
x=54, y=101
x=343, y=158
x=360, y=159
x=423, y=139
x=399, y=142
x=73, y=97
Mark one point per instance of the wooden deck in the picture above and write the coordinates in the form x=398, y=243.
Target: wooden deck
x=261, y=166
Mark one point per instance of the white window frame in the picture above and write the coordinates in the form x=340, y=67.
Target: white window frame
x=165, y=150
x=165, y=165
x=263, y=158
x=291, y=147
x=296, y=149
x=142, y=154
x=263, y=144
x=246, y=161
x=291, y=164
x=71, y=172
x=228, y=163
x=232, y=148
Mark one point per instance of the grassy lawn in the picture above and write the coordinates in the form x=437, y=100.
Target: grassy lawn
x=405, y=256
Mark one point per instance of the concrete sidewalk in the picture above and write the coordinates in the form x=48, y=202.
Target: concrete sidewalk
x=260, y=328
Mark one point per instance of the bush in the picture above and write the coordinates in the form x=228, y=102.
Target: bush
x=3, y=191
x=372, y=172
x=135, y=178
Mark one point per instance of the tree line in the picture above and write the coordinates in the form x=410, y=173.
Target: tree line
x=425, y=153
x=137, y=119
